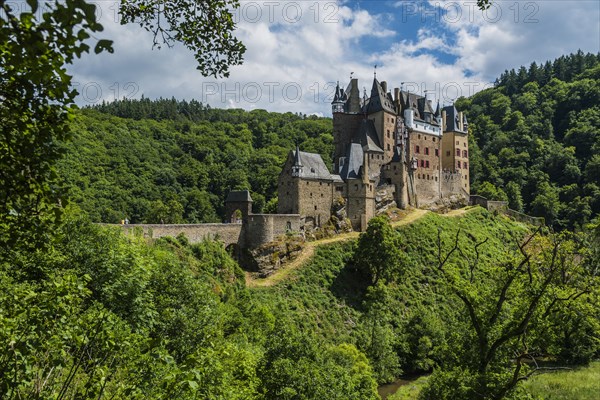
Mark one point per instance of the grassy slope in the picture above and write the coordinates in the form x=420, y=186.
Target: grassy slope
x=579, y=384
x=326, y=296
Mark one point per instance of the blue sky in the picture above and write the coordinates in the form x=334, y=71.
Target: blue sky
x=297, y=50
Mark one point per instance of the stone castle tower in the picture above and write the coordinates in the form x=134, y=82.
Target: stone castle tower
x=388, y=142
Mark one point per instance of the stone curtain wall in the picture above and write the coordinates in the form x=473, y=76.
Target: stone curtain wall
x=502, y=207
x=227, y=233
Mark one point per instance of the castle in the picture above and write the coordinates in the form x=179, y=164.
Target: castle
x=395, y=143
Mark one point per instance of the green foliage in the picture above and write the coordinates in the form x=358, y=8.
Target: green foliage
x=378, y=254
x=536, y=134
x=180, y=168
x=205, y=28
x=35, y=111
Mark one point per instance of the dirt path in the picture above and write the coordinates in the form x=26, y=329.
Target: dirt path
x=309, y=249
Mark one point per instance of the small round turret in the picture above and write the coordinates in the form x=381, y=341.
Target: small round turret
x=337, y=105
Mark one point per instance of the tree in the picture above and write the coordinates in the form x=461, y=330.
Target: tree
x=505, y=307
x=36, y=99
x=378, y=253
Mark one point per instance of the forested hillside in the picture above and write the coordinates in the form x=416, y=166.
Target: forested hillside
x=100, y=315
x=536, y=139
x=176, y=161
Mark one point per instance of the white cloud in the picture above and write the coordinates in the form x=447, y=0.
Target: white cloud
x=295, y=48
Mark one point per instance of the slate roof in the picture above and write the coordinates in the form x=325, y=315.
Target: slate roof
x=313, y=166
x=353, y=162
x=367, y=136
x=379, y=100
x=238, y=196
x=451, y=119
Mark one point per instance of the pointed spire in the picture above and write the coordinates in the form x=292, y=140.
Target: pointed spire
x=297, y=167
x=297, y=162
x=375, y=71
x=438, y=112
x=337, y=95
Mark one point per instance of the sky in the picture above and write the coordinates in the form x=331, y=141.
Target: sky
x=298, y=50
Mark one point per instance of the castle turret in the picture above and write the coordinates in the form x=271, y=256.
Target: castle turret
x=337, y=105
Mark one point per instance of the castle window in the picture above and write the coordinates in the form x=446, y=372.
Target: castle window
x=307, y=183
x=457, y=143
x=418, y=176
x=321, y=194
x=312, y=170
x=423, y=163
x=427, y=164
x=436, y=178
x=394, y=167
x=433, y=140
x=311, y=195
x=437, y=152
x=417, y=149
x=388, y=133
x=465, y=144
x=458, y=152
x=320, y=183
x=355, y=187
x=419, y=136
x=388, y=146
x=426, y=151
x=315, y=208
x=465, y=165
x=392, y=120
x=465, y=154
x=448, y=153
x=339, y=189
x=458, y=164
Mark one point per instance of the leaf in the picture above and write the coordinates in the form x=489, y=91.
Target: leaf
x=102, y=45
x=33, y=4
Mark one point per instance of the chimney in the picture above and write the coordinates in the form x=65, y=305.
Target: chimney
x=443, y=120
x=365, y=168
x=384, y=86
x=397, y=95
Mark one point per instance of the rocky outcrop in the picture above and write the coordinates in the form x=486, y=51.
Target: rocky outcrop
x=269, y=257
x=448, y=203
x=384, y=199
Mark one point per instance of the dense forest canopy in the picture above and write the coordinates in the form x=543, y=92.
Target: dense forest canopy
x=176, y=161
x=535, y=139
